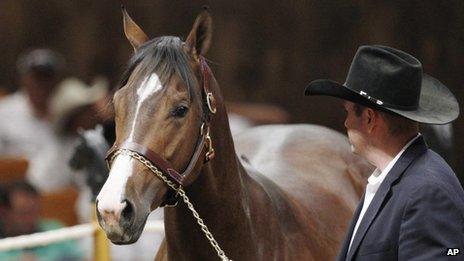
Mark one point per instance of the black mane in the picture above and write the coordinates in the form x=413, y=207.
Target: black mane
x=163, y=56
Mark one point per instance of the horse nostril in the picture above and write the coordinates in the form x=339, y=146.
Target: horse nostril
x=127, y=213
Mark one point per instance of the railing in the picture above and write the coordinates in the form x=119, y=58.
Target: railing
x=101, y=251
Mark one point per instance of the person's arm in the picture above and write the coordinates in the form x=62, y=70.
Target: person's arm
x=432, y=222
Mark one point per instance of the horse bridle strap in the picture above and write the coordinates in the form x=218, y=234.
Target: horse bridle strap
x=161, y=163
x=164, y=165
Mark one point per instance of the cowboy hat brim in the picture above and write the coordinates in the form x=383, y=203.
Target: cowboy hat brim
x=437, y=105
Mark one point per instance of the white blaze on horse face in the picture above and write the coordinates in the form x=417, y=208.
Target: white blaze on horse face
x=112, y=194
x=150, y=86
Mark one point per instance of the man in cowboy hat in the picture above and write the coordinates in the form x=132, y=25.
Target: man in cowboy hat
x=413, y=206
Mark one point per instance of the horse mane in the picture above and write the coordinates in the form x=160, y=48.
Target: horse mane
x=164, y=56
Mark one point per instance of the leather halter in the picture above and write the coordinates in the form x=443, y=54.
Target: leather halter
x=204, y=140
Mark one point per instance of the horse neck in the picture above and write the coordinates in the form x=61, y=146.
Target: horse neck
x=224, y=169
x=215, y=195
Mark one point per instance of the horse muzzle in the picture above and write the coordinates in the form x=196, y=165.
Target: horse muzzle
x=119, y=222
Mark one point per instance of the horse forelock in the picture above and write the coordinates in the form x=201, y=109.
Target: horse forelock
x=163, y=56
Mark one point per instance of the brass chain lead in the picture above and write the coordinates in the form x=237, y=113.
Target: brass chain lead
x=180, y=191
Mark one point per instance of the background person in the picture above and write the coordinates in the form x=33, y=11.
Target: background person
x=22, y=217
x=26, y=130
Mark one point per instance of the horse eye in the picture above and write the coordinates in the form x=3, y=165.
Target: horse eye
x=180, y=111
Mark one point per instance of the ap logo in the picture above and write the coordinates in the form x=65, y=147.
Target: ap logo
x=452, y=252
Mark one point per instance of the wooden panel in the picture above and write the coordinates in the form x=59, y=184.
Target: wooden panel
x=271, y=61
x=60, y=205
x=12, y=169
x=3, y=92
x=259, y=113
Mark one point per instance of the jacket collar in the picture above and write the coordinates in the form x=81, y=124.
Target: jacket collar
x=417, y=148
x=346, y=243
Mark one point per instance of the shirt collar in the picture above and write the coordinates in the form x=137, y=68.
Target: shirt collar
x=378, y=176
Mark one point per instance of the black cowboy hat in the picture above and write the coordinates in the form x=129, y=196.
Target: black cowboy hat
x=388, y=79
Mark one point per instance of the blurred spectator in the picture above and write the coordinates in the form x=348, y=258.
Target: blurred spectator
x=73, y=105
x=40, y=119
x=26, y=130
x=40, y=71
x=22, y=217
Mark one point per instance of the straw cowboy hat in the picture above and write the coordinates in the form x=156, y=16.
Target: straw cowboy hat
x=72, y=94
x=388, y=79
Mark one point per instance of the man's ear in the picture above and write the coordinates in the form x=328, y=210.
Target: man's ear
x=199, y=38
x=371, y=118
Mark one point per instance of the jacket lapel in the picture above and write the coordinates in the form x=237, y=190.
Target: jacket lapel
x=413, y=151
x=346, y=243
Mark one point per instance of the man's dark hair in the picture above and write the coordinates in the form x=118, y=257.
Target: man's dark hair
x=42, y=62
x=22, y=186
x=396, y=124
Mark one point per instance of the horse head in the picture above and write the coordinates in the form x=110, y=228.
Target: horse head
x=89, y=156
x=81, y=155
x=162, y=113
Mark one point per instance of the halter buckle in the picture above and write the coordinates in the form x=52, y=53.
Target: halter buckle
x=202, y=129
x=211, y=102
x=211, y=153
x=209, y=143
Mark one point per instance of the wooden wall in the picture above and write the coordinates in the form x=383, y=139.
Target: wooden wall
x=263, y=51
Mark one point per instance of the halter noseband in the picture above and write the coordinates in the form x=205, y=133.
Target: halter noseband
x=204, y=141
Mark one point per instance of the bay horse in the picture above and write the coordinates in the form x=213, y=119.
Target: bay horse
x=288, y=196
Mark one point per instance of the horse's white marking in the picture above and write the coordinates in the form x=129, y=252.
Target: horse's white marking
x=112, y=193
x=150, y=85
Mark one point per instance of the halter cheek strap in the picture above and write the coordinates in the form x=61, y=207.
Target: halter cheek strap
x=181, y=179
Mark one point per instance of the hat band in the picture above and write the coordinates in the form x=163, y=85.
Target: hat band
x=382, y=103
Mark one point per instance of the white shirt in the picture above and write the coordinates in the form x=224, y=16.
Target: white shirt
x=24, y=135
x=373, y=184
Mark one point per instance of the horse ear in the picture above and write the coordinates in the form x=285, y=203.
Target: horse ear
x=133, y=32
x=199, y=38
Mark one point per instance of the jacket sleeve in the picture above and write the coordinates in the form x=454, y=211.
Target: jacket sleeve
x=433, y=221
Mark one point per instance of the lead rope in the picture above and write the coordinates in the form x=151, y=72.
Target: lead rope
x=180, y=191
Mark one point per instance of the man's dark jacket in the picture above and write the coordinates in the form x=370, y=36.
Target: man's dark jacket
x=417, y=213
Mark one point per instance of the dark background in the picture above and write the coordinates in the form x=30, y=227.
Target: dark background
x=262, y=51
